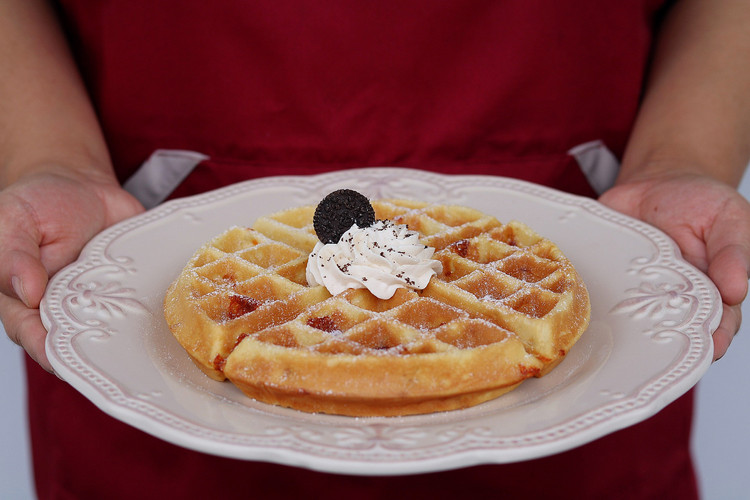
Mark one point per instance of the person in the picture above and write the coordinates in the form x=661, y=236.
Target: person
x=90, y=89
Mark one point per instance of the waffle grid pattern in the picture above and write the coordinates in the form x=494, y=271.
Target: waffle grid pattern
x=507, y=306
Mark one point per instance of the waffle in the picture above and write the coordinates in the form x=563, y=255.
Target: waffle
x=507, y=306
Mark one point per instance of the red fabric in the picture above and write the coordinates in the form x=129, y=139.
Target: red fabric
x=560, y=171
x=269, y=88
x=409, y=83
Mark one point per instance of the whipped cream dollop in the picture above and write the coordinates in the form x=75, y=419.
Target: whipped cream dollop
x=382, y=258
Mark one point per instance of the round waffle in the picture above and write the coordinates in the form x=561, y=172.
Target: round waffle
x=507, y=306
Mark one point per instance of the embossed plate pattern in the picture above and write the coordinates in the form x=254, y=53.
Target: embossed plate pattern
x=648, y=343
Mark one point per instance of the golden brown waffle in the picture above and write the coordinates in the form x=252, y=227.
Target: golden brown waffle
x=507, y=306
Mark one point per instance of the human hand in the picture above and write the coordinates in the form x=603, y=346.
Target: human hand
x=47, y=219
x=709, y=220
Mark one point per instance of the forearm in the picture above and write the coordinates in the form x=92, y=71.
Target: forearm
x=696, y=108
x=46, y=119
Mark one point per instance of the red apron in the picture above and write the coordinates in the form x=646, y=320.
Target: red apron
x=494, y=87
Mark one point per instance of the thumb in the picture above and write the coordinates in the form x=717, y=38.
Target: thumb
x=625, y=199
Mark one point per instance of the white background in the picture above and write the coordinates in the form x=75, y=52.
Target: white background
x=721, y=440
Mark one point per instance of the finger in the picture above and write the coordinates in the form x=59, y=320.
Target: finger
x=22, y=274
x=729, y=270
x=24, y=327
x=728, y=327
x=728, y=249
x=24, y=277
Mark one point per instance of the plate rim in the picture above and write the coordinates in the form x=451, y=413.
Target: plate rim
x=651, y=405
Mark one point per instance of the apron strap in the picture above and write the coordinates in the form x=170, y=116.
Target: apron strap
x=160, y=174
x=598, y=164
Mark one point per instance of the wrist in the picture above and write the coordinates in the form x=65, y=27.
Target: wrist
x=660, y=164
x=81, y=167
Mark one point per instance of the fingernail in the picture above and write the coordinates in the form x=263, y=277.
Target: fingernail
x=19, y=289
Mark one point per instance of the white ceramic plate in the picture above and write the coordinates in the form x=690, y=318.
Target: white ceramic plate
x=649, y=340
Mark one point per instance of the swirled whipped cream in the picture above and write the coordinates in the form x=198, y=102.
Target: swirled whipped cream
x=382, y=258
